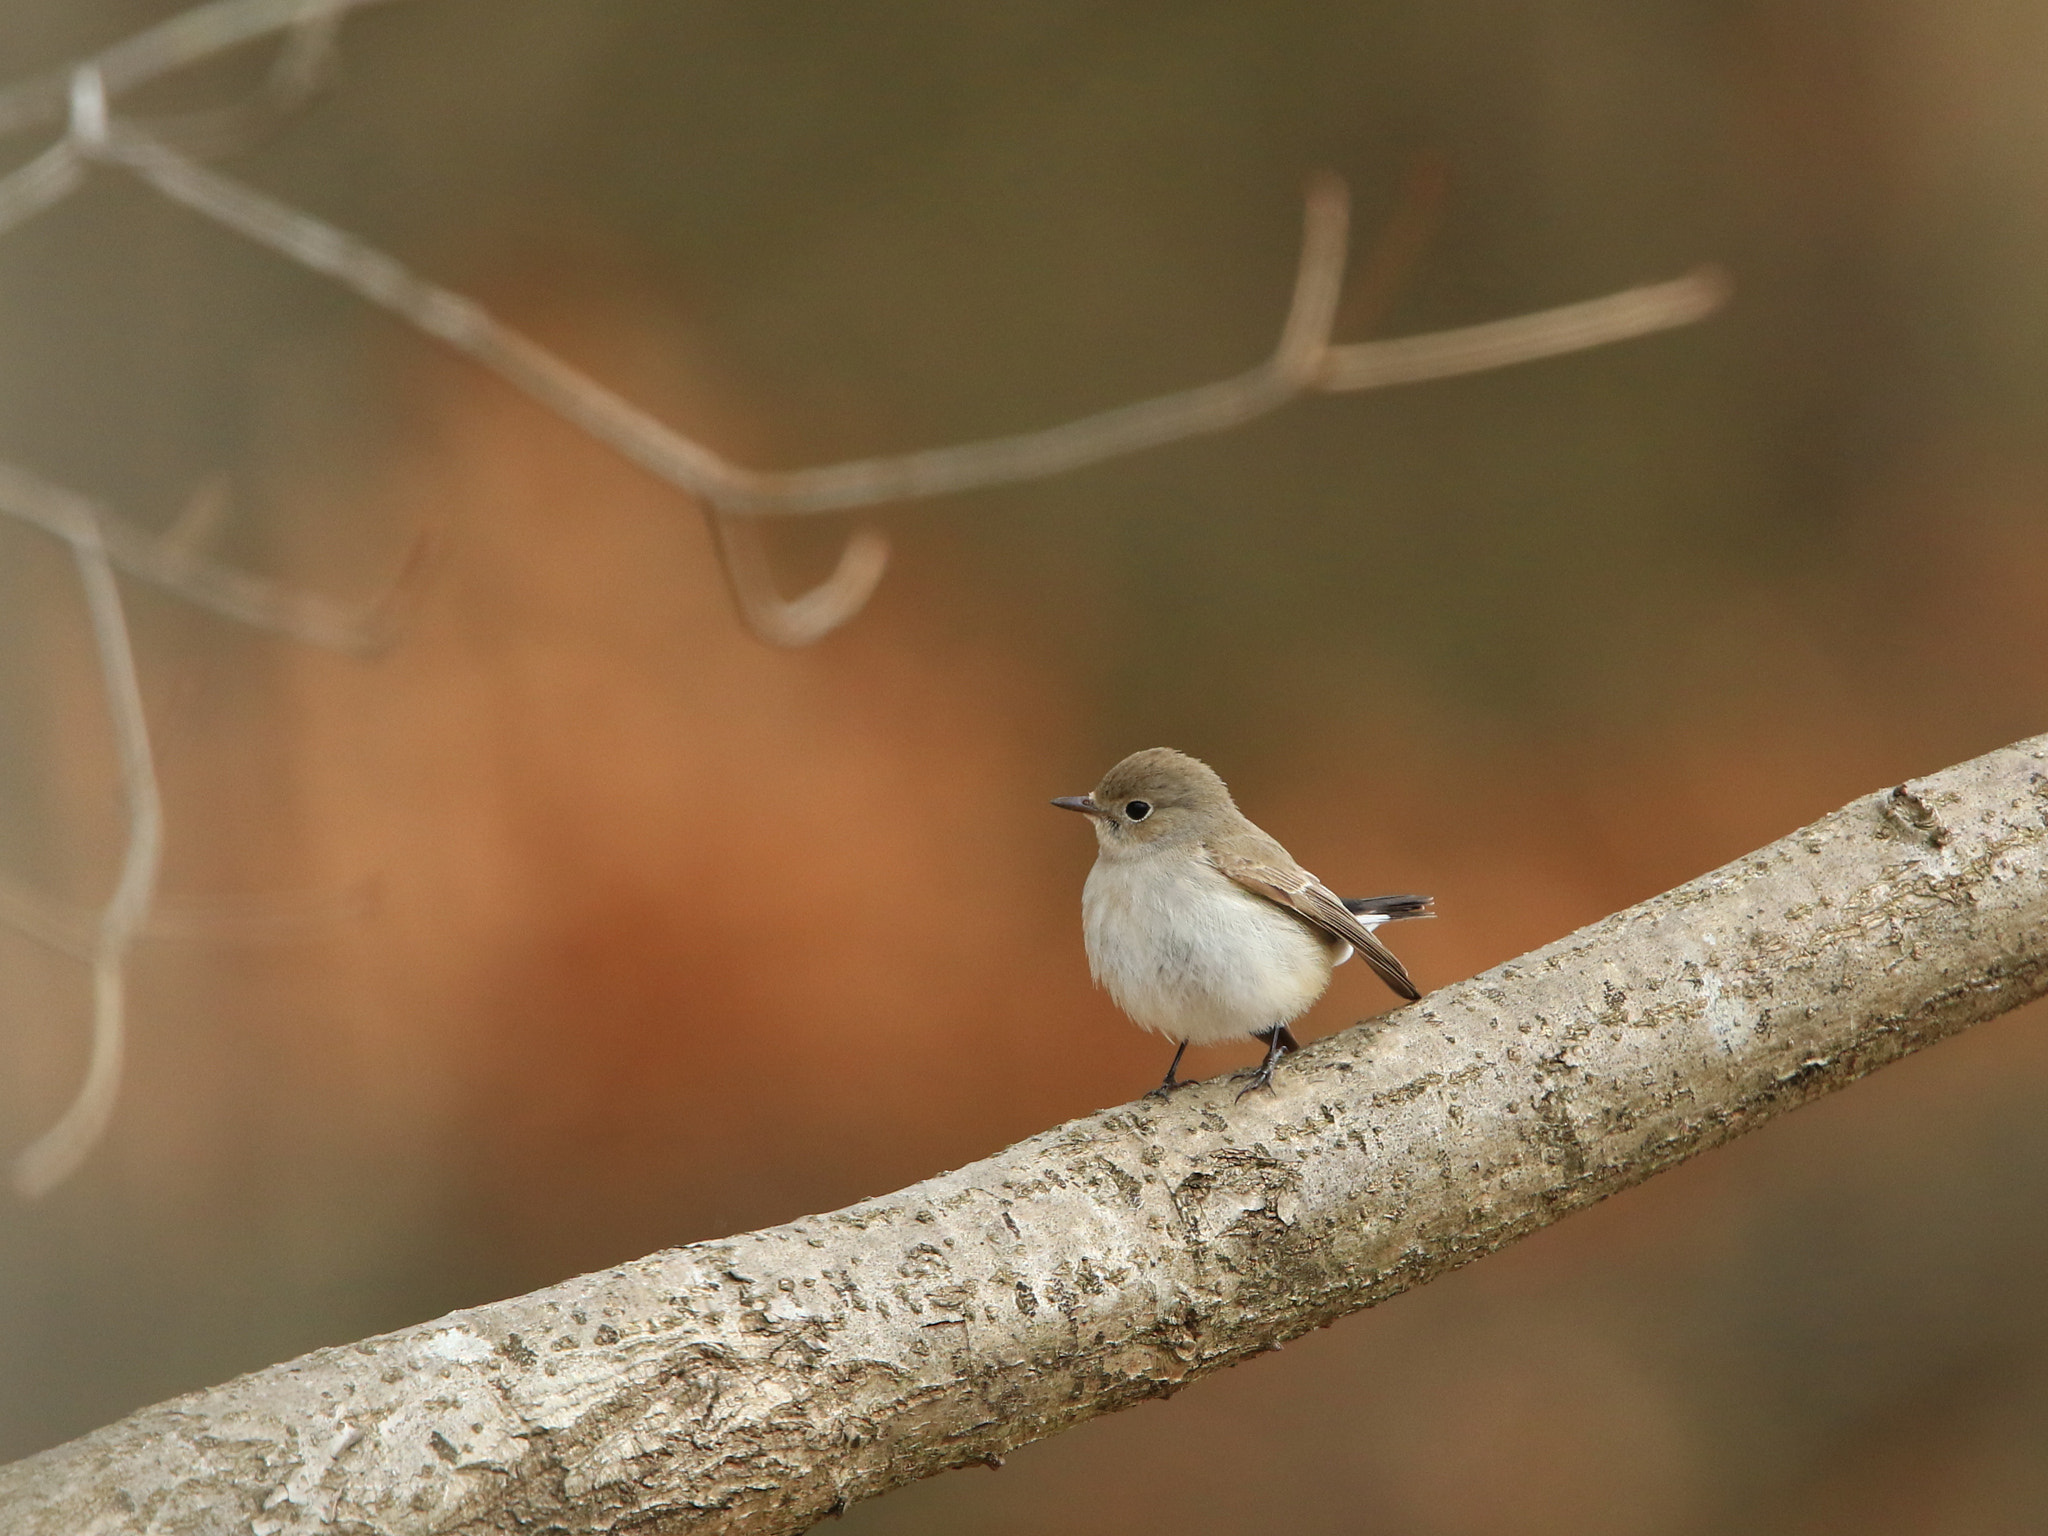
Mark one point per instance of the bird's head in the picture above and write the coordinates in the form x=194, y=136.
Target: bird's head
x=1152, y=797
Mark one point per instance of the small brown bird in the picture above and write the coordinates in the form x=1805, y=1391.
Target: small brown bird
x=1201, y=926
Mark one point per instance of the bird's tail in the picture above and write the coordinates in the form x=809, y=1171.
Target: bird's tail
x=1374, y=910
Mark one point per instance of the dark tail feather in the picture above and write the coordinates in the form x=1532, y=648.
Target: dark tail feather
x=1392, y=908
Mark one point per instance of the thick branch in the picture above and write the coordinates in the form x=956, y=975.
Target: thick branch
x=761, y=1382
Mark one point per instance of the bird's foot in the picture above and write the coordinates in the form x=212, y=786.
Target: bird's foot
x=1172, y=1082
x=1261, y=1077
x=1167, y=1089
x=1279, y=1041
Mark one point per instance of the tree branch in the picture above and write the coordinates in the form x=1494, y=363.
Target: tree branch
x=759, y=1383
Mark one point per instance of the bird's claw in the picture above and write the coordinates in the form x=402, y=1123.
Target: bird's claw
x=1261, y=1077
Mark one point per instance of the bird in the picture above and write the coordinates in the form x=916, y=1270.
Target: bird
x=1201, y=926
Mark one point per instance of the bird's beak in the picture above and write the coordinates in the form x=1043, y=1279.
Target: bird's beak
x=1085, y=804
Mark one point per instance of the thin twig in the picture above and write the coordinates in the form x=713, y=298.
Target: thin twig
x=99, y=541
x=187, y=38
x=169, y=563
x=469, y=328
x=1303, y=360
x=295, y=75
x=799, y=621
x=1397, y=250
x=53, y=1156
x=1295, y=365
x=1526, y=338
x=43, y=182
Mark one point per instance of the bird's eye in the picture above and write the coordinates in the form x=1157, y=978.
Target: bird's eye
x=1138, y=810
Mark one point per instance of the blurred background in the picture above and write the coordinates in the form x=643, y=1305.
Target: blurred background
x=578, y=924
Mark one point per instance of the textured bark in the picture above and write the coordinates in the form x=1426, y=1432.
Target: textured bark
x=761, y=1382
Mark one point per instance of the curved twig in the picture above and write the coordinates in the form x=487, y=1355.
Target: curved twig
x=52, y=1157
x=301, y=68
x=804, y=620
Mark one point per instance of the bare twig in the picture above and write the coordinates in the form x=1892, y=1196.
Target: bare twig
x=1302, y=361
x=470, y=329
x=295, y=75
x=169, y=563
x=99, y=541
x=1526, y=338
x=1397, y=249
x=52, y=1157
x=43, y=182
x=743, y=556
x=188, y=38
x=760, y=1383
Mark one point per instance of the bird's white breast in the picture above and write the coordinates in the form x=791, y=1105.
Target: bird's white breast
x=1189, y=953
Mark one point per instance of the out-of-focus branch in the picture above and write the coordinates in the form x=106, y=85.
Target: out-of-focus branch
x=762, y=1382
x=100, y=542
x=805, y=620
x=190, y=37
x=295, y=75
x=1524, y=339
x=49, y=178
x=1304, y=359
x=170, y=563
x=50, y=1159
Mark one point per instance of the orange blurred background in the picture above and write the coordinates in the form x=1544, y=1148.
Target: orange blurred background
x=578, y=923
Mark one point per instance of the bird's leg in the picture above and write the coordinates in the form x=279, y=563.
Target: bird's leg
x=1279, y=1041
x=1171, y=1082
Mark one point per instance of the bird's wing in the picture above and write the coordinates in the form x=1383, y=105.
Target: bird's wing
x=1282, y=881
